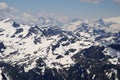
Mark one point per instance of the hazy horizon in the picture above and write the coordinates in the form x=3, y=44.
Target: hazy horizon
x=60, y=9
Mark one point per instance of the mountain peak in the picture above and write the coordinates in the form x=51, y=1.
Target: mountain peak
x=8, y=20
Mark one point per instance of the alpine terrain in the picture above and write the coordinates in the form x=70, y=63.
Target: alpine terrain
x=50, y=50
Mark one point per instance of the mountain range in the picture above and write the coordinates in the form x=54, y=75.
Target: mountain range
x=50, y=50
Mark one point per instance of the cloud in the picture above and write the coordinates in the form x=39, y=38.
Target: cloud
x=26, y=17
x=3, y=5
x=91, y=1
x=7, y=11
x=5, y=8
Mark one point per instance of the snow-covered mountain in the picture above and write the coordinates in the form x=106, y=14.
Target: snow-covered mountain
x=79, y=50
x=113, y=20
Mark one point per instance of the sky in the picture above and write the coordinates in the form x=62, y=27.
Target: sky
x=82, y=9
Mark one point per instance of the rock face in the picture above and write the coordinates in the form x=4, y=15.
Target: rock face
x=79, y=50
x=2, y=47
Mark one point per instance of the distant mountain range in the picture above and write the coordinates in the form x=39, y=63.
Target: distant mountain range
x=50, y=50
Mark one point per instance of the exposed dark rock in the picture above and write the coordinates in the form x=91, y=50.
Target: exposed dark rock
x=15, y=24
x=19, y=31
x=55, y=46
x=59, y=56
x=94, y=52
x=115, y=46
x=2, y=46
x=1, y=30
x=37, y=40
x=70, y=50
x=66, y=44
